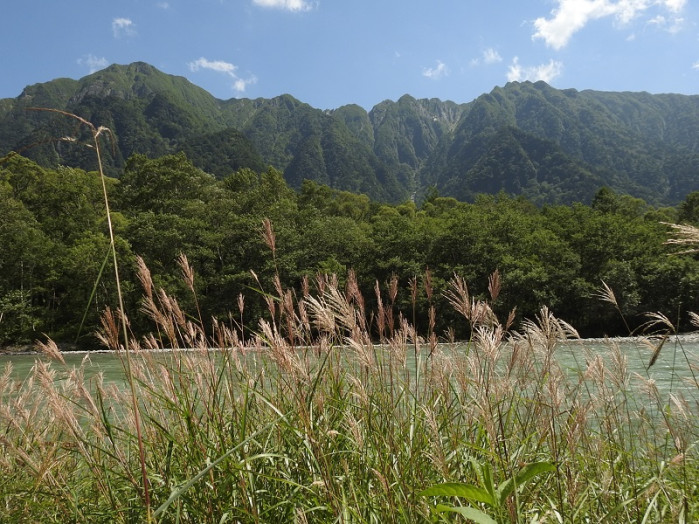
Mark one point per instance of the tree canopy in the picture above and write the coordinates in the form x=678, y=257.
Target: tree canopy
x=54, y=246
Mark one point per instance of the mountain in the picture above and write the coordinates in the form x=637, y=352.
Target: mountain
x=553, y=146
x=636, y=143
x=148, y=111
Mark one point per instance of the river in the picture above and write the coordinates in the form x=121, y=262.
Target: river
x=671, y=372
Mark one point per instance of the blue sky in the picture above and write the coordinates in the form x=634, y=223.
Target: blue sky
x=334, y=52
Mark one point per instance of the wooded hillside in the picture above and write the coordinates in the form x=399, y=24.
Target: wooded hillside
x=550, y=145
x=55, y=249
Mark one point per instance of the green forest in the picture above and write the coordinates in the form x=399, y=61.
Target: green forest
x=56, y=275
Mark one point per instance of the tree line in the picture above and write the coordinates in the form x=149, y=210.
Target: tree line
x=55, y=272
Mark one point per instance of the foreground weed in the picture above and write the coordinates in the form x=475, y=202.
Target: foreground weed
x=488, y=494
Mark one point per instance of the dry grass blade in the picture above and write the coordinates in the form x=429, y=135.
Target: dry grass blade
x=109, y=334
x=684, y=235
x=96, y=132
x=393, y=288
x=458, y=296
x=51, y=349
x=548, y=329
x=429, y=287
x=269, y=236
x=510, y=319
x=607, y=295
x=144, y=277
x=241, y=303
x=187, y=271
x=494, y=285
x=323, y=319
x=658, y=320
x=343, y=311
x=656, y=352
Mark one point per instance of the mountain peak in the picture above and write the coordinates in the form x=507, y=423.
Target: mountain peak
x=135, y=80
x=549, y=144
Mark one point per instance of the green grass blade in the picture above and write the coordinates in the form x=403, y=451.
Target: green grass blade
x=93, y=293
x=176, y=493
x=488, y=481
x=485, y=475
x=457, y=489
x=525, y=474
x=472, y=514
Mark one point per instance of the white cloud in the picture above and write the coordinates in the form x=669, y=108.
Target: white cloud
x=288, y=5
x=215, y=65
x=672, y=25
x=436, y=72
x=241, y=84
x=695, y=65
x=572, y=15
x=491, y=56
x=123, y=27
x=163, y=5
x=488, y=57
x=545, y=72
x=675, y=5
x=93, y=63
x=219, y=66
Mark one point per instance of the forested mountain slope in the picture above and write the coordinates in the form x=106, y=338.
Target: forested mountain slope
x=549, y=144
x=553, y=146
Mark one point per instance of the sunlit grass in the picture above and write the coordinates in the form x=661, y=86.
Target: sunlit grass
x=319, y=415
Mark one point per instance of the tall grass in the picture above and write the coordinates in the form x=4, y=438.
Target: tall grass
x=95, y=134
x=326, y=412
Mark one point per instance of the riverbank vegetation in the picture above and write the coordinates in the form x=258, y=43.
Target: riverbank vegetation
x=55, y=254
x=311, y=417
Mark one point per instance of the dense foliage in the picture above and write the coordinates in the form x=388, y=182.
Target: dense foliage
x=54, y=268
x=552, y=146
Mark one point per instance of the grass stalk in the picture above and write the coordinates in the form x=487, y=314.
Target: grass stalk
x=260, y=430
x=95, y=133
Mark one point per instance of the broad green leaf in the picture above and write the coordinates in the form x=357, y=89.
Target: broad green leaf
x=485, y=475
x=472, y=514
x=525, y=475
x=457, y=489
x=488, y=479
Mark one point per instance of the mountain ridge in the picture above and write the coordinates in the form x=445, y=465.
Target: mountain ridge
x=550, y=145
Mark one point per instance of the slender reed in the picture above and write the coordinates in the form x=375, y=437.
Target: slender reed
x=96, y=133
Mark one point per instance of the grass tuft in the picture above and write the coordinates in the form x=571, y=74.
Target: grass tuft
x=309, y=419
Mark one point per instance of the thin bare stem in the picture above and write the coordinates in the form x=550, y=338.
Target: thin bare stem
x=96, y=132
